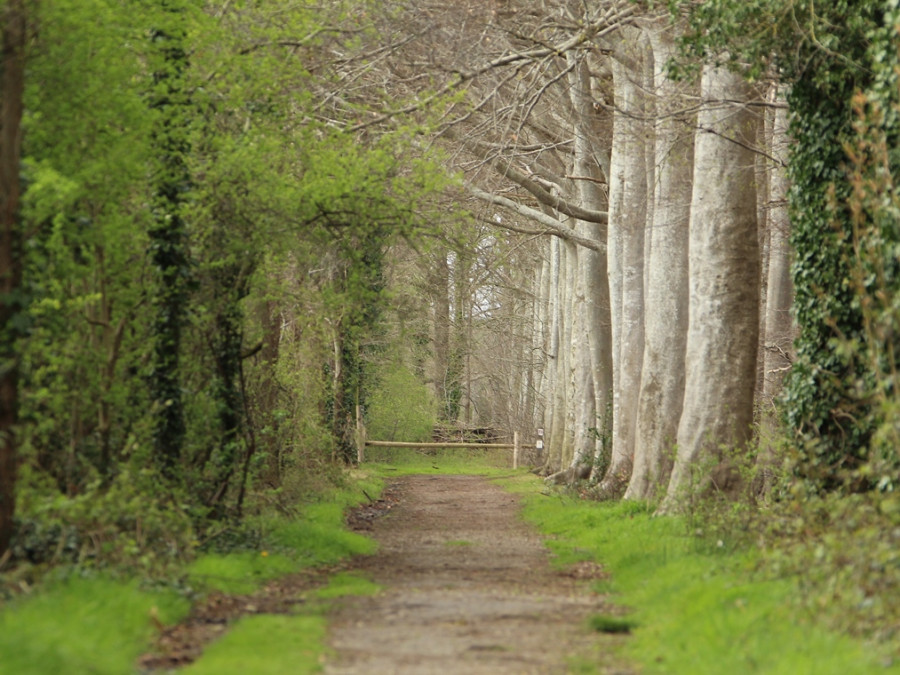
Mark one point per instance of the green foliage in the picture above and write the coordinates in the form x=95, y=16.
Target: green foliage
x=199, y=239
x=401, y=408
x=88, y=625
x=129, y=524
x=843, y=551
x=403, y=461
x=611, y=624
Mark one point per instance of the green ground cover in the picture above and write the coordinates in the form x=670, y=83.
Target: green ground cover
x=692, y=603
x=83, y=625
x=90, y=622
x=698, y=605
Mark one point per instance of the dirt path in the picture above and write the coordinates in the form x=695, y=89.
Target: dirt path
x=468, y=589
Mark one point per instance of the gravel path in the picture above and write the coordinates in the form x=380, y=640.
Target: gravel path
x=468, y=589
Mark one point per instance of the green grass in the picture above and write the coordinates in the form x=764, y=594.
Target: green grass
x=296, y=643
x=343, y=584
x=82, y=626
x=697, y=606
x=266, y=645
x=316, y=537
x=392, y=462
x=100, y=625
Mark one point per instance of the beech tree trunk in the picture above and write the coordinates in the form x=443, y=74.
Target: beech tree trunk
x=627, y=220
x=440, y=285
x=12, y=87
x=666, y=317
x=779, y=324
x=551, y=367
x=723, y=318
x=591, y=311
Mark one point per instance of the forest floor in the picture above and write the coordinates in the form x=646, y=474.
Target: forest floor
x=468, y=587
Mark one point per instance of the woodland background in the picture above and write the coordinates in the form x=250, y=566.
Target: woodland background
x=664, y=232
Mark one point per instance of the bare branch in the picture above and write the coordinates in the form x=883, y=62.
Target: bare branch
x=553, y=226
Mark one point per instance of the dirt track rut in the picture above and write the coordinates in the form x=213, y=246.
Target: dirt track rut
x=467, y=589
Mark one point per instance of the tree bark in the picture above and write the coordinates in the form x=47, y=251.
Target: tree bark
x=551, y=375
x=666, y=317
x=779, y=324
x=627, y=208
x=441, y=302
x=593, y=368
x=12, y=87
x=723, y=321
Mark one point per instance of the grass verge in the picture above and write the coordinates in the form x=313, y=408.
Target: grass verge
x=83, y=625
x=696, y=606
x=89, y=623
x=266, y=645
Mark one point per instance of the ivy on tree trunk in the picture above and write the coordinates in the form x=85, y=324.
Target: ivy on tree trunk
x=12, y=84
x=168, y=238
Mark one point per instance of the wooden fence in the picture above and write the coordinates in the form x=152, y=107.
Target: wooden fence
x=362, y=443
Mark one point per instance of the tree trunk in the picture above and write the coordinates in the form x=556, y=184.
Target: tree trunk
x=666, y=318
x=168, y=238
x=551, y=375
x=627, y=220
x=593, y=332
x=12, y=86
x=723, y=326
x=441, y=301
x=779, y=325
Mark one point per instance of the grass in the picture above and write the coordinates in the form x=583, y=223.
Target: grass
x=393, y=462
x=697, y=606
x=317, y=536
x=343, y=584
x=101, y=625
x=693, y=605
x=266, y=645
x=296, y=643
x=83, y=625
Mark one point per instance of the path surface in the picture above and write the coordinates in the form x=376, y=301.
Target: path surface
x=468, y=589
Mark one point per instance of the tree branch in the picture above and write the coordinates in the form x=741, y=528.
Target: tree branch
x=552, y=225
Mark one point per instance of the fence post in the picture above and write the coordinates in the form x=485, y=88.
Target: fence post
x=515, y=449
x=360, y=438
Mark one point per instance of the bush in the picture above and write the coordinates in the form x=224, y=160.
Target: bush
x=401, y=408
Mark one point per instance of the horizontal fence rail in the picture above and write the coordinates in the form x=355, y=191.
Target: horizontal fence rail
x=430, y=444
x=362, y=443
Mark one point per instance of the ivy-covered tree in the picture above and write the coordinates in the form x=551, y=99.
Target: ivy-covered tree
x=13, y=36
x=170, y=99
x=822, y=53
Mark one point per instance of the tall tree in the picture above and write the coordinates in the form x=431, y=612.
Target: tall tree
x=12, y=86
x=627, y=223
x=593, y=334
x=168, y=236
x=723, y=323
x=779, y=323
x=666, y=307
